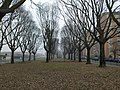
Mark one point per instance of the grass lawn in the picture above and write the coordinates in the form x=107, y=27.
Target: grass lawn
x=58, y=76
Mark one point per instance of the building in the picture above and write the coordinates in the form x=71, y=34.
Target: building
x=112, y=48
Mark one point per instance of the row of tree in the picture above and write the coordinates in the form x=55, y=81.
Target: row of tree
x=88, y=22
x=47, y=18
x=84, y=21
x=18, y=30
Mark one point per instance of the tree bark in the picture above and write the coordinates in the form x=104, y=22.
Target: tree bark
x=4, y=9
x=68, y=56
x=71, y=56
x=102, y=55
x=74, y=55
x=114, y=54
x=88, y=56
x=112, y=14
x=79, y=52
x=34, y=57
x=23, y=56
x=29, y=56
x=47, y=57
x=79, y=56
x=64, y=56
x=1, y=15
x=12, y=57
x=52, y=56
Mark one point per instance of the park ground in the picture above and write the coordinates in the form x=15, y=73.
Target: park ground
x=39, y=75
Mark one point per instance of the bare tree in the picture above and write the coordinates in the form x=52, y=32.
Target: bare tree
x=113, y=8
x=3, y=30
x=81, y=26
x=14, y=30
x=54, y=50
x=7, y=6
x=31, y=38
x=64, y=46
x=2, y=34
x=74, y=27
x=71, y=42
x=23, y=42
x=67, y=42
x=103, y=29
x=37, y=45
x=48, y=22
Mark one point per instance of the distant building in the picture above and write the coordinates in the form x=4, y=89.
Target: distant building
x=112, y=47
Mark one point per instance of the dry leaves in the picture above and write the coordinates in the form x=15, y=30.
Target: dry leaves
x=58, y=76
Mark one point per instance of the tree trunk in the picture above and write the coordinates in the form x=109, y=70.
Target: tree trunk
x=114, y=54
x=23, y=56
x=34, y=57
x=1, y=16
x=102, y=56
x=0, y=54
x=64, y=55
x=88, y=56
x=29, y=56
x=68, y=56
x=71, y=56
x=79, y=56
x=47, y=57
x=6, y=4
x=53, y=56
x=57, y=55
x=74, y=55
x=12, y=57
x=0, y=49
x=50, y=56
